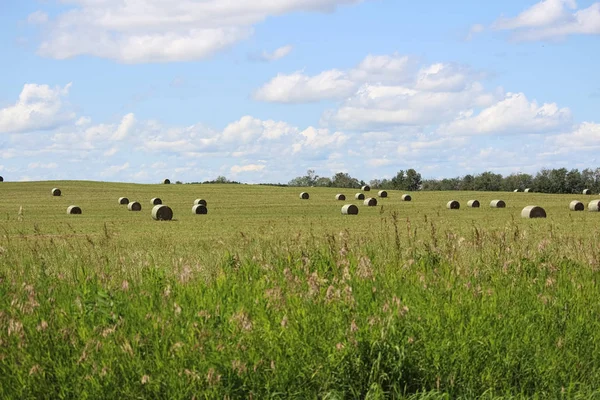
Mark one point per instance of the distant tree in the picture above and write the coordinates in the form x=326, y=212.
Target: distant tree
x=344, y=180
x=413, y=180
x=323, y=182
x=468, y=183
x=307, y=180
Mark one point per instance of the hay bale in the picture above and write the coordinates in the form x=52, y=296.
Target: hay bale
x=134, y=206
x=350, y=209
x=359, y=196
x=370, y=202
x=497, y=204
x=1, y=179
x=123, y=200
x=366, y=188
x=155, y=201
x=167, y=182
x=340, y=196
x=594, y=205
x=587, y=191
x=533, y=212
x=200, y=201
x=199, y=209
x=516, y=190
x=382, y=194
x=406, y=197
x=73, y=210
x=528, y=190
x=56, y=192
x=473, y=203
x=162, y=212
x=453, y=205
x=304, y=196
x=576, y=205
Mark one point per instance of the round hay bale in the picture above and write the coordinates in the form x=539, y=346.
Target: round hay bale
x=200, y=201
x=134, y=206
x=382, y=194
x=359, y=196
x=199, y=209
x=1, y=179
x=528, y=190
x=533, y=212
x=517, y=190
x=340, y=196
x=587, y=191
x=155, y=201
x=123, y=200
x=594, y=205
x=370, y=202
x=162, y=212
x=73, y=210
x=304, y=196
x=350, y=209
x=497, y=204
x=366, y=188
x=167, y=182
x=473, y=203
x=406, y=197
x=576, y=205
x=56, y=192
x=453, y=205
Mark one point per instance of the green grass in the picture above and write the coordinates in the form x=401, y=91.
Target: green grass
x=270, y=296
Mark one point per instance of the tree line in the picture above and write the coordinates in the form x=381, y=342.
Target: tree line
x=556, y=180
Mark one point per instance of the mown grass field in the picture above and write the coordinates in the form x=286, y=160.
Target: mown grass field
x=270, y=296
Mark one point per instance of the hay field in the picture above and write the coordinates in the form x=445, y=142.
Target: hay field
x=269, y=295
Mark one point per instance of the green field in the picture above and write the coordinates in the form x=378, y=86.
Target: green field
x=273, y=296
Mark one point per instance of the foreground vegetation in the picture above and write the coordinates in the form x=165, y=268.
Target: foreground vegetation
x=272, y=296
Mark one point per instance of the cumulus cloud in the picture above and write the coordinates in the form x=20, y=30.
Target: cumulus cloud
x=236, y=169
x=161, y=31
x=275, y=55
x=550, y=19
x=39, y=107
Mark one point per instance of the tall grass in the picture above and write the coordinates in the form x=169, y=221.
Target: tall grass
x=415, y=310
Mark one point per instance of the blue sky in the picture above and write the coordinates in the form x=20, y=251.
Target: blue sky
x=261, y=91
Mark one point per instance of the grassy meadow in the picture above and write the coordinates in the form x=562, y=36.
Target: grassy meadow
x=271, y=296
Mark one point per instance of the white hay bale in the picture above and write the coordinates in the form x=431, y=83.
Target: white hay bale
x=406, y=197
x=73, y=210
x=167, y=182
x=350, y=209
x=304, y=196
x=528, y=190
x=162, y=212
x=497, y=204
x=56, y=192
x=533, y=212
x=453, y=205
x=199, y=209
x=359, y=196
x=473, y=203
x=370, y=202
x=594, y=205
x=576, y=205
x=382, y=194
x=134, y=206
x=340, y=196
x=366, y=188
x=200, y=201
x=517, y=190
x=123, y=200
x=587, y=191
x=155, y=201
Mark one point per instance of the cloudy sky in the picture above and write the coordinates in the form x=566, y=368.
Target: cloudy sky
x=263, y=90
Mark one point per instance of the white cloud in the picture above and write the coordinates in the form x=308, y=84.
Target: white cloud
x=161, y=31
x=38, y=17
x=277, y=54
x=300, y=88
x=124, y=128
x=115, y=169
x=513, y=115
x=36, y=165
x=585, y=136
x=236, y=169
x=475, y=29
x=39, y=107
x=552, y=19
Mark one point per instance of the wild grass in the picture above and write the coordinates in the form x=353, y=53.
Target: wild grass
x=270, y=296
